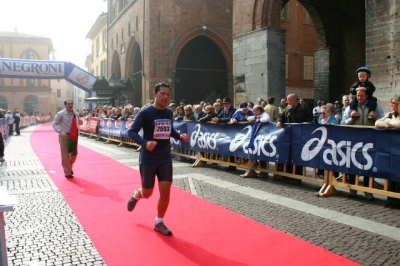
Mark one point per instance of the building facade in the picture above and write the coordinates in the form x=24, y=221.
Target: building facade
x=33, y=96
x=187, y=44
x=96, y=62
x=250, y=49
x=345, y=41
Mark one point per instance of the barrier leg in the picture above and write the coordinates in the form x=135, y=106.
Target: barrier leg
x=249, y=173
x=328, y=189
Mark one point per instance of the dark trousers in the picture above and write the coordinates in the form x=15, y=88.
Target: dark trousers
x=10, y=129
x=352, y=180
x=17, y=127
x=394, y=187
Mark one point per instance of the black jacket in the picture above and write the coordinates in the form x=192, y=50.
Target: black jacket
x=298, y=114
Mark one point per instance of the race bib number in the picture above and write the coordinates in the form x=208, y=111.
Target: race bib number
x=162, y=129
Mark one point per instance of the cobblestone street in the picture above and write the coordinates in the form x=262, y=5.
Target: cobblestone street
x=43, y=230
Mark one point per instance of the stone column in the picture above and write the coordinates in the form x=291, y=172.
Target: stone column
x=259, y=64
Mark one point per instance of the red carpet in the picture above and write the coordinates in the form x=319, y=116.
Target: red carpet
x=204, y=233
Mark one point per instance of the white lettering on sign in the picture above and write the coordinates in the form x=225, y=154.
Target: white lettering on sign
x=339, y=154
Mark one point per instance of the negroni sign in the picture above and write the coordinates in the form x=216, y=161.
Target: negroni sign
x=24, y=68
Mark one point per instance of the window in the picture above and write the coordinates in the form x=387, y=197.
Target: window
x=129, y=29
x=58, y=93
x=3, y=103
x=307, y=18
x=97, y=46
x=104, y=39
x=122, y=48
x=31, y=104
x=112, y=44
x=137, y=23
x=285, y=12
x=116, y=40
x=308, y=67
x=103, y=68
x=122, y=35
x=30, y=55
x=30, y=82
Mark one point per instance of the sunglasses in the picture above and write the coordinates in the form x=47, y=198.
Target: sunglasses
x=323, y=113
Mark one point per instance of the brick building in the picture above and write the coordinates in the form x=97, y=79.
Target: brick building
x=245, y=48
x=349, y=34
x=28, y=95
x=187, y=43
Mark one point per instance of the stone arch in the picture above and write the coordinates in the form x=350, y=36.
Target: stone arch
x=31, y=104
x=24, y=52
x=210, y=34
x=134, y=71
x=266, y=13
x=214, y=38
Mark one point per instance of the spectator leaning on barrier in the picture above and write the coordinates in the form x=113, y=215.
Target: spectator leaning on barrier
x=180, y=113
x=210, y=114
x=241, y=114
x=217, y=107
x=391, y=120
x=198, y=112
x=259, y=117
x=327, y=115
x=363, y=120
x=294, y=113
x=188, y=113
x=227, y=113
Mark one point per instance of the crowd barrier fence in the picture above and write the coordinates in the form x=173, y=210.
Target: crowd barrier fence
x=116, y=132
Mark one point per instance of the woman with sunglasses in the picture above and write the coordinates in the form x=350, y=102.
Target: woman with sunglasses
x=327, y=116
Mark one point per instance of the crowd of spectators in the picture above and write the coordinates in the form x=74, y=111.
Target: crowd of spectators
x=292, y=109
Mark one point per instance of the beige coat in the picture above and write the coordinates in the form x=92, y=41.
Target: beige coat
x=388, y=121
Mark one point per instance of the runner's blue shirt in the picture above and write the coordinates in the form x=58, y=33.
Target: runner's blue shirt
x=157, y=126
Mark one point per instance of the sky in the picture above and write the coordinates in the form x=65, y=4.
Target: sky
x=65, y=22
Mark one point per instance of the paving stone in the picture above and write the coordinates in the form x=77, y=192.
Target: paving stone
x=43, y=229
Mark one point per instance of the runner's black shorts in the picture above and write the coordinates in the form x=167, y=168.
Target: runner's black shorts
x=149, y=172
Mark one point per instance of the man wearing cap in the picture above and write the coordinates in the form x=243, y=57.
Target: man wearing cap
x=226, y=113
x=224, y=117
x=241, y=114
x=172, y=106
x=338, y=111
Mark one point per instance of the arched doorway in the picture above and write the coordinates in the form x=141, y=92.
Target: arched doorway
x=3, y=103
x=201, y=72
x=31, y=104
x=116, y=66
x=134, y=70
